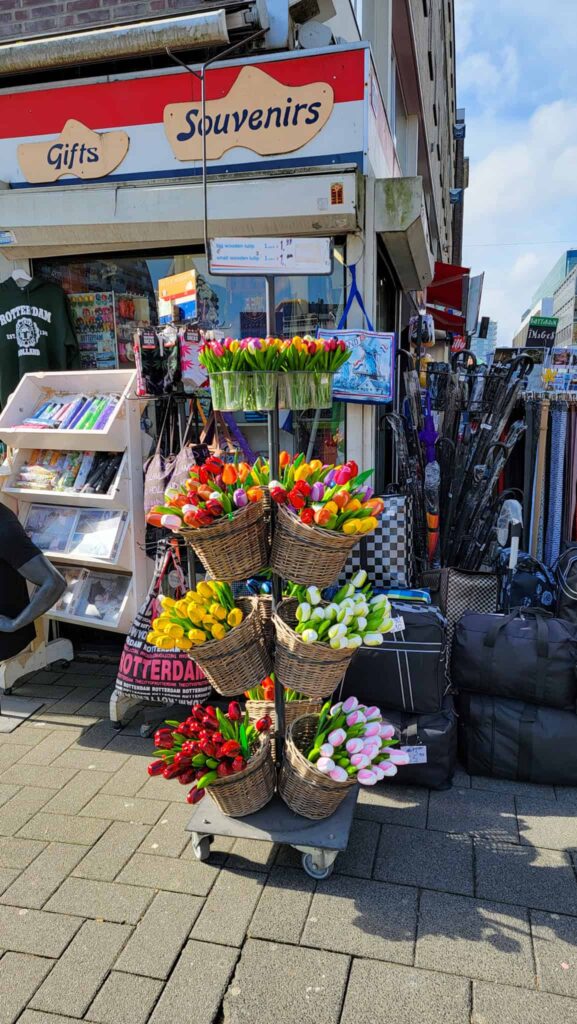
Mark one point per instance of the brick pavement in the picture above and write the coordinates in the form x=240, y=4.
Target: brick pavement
x=457, y=906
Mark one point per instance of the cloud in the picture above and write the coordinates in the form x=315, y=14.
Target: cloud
x=521, y=110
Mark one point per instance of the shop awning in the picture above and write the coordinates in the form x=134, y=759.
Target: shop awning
x=447, y=297
x=401, y=220
x=205, y=25
x=83, y=218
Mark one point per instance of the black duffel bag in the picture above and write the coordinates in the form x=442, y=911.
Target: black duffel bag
x=431, y=742
x=512, y=740
x=408, y=671
x=527, y=655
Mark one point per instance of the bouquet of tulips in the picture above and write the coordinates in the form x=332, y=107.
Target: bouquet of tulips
x=266, y=691
x=207, y=746
x=353, y=741
x=354, y=616
x=205, y=614
x=266, y=354
x=332, y=497
x=211, y=492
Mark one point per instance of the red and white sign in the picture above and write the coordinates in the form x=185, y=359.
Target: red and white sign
x=319, y=101
x=459, y=343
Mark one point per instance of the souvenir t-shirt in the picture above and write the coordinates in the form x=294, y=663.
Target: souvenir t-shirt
x=15, y=550
x=36, y=332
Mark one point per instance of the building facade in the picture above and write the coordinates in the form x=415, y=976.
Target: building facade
x=565, y=309
x=328, y=118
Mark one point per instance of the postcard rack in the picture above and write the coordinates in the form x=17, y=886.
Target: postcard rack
x=95, y=537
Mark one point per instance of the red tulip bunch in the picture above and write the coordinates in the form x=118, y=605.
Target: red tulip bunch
x=207, y=746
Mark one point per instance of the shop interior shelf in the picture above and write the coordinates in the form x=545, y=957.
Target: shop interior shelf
x=122, y=625
x=34, y=388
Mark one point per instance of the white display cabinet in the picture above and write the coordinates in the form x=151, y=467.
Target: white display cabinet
x=121, y=433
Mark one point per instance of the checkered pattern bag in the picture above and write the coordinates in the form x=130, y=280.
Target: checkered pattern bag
x=386, y=554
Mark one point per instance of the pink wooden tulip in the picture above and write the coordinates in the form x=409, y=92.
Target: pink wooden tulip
x=327, y=750
x=372, y=712
x=354, y=746
x=350, y=704
x=387, y=731
x=366, y=777
x=336, y=708
x=378, y=771
x=370, y=750
x=170, y=522
x=360, y=760
x=325, y=765
x=338, y=774
x=388, y=767
x=399, y=756
x=372, y=729
x=355, y=718
x=336, y=737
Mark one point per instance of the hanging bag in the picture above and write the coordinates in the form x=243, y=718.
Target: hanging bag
x=387, y=553
x=144, y=670
x=158, y=468
x=189, y=455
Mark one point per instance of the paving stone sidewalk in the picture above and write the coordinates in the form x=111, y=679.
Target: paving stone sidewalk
x=458, y=907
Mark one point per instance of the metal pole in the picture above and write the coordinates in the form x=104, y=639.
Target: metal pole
x=273, y=458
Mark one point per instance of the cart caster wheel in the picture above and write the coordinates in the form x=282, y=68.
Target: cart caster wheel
x=202, y=848
x=117, y=726
x=313, y=871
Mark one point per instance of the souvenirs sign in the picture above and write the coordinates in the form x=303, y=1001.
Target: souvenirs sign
x=77, y=150
x=258, y=113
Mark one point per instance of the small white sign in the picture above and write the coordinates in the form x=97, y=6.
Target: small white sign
x=275, y=256
x=417, y=755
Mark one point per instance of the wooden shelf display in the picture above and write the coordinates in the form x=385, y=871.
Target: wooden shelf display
x=95, y=539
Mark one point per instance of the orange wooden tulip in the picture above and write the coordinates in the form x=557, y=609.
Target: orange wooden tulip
x=243, y=471
x=229, y=474
x=341, y=499
x=255, y=494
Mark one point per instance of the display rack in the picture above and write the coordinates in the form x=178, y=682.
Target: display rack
x=319, y=842
x=121, y=433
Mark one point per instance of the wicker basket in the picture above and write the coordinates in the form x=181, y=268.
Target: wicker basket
x=313, y=669
x=308, y=554
x=249, y=790
x=241, y=659
x=303, y=788
x=265, y=611
x=232, y=549
x=293, y=709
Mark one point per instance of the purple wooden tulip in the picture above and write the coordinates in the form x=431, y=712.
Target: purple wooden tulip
x=354, y=746
x=364, y=493
x=350, y=704
x=330, y=478
x=366, y=777
x=240, y=498
x=338, y=774
x=336, y=737
x=317, y=492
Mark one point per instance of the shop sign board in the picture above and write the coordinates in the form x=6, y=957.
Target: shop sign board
x=274, y=256
x=302, y=109
x=77, y=150
x=258, y=113
x=542, y=330
x=368, y=376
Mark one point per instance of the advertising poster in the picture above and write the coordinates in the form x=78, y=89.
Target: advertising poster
x=369, y=375
x=93, y=315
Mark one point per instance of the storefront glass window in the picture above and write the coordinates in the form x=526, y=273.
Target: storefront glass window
x=117, y=294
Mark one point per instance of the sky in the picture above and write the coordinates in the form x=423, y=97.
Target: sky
x=517, y=80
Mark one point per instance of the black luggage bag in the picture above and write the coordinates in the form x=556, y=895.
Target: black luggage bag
x=509, y=739
x=527, y=655
x=408, y=672
x=431, y=742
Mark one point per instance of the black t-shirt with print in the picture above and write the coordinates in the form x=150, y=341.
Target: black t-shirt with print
x=15, y=550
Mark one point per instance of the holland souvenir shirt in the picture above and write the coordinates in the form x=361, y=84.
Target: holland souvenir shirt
x=36, y=332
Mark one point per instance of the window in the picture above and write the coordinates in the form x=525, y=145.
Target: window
x=426, y=8
x=435, y=116
x=431, y=65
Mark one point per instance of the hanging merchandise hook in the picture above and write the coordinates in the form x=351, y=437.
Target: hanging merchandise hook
x=354, y=294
